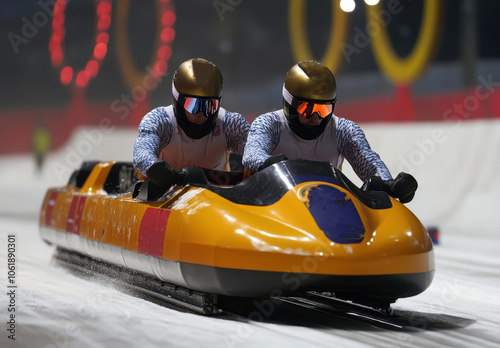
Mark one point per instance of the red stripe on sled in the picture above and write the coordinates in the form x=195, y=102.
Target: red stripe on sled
x=50, y=208
x=75, y=214
x=152, y=231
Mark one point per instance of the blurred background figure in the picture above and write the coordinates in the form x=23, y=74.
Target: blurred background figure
x=41, y=145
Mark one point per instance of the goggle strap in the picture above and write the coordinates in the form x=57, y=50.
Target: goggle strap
x=175, y=92
x=288, y=97
x=291, y=99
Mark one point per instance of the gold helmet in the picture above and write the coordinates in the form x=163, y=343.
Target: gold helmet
x=198, y=77
x=309, y=88
x=197, y=87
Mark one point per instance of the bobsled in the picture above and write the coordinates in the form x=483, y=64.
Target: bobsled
x=297, y=226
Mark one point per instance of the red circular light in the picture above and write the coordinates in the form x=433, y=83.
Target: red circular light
x=59, y=7
x=58, y=35
x=92, y=68
x=167, y=35
x=103, y=10
x=168, y=18
x=102, y=37
x=66, y=75
x=100, y=51
x=58, y=20
x=104, y=22
x=164, y=52
x=56, y=56
x=160, y=67
x=82, y=79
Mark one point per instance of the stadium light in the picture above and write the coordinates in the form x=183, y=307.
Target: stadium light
x=347, y=5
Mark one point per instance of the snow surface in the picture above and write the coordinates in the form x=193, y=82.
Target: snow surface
x=459, y=186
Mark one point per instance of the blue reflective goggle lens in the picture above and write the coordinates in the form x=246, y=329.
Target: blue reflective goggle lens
x=206, y=106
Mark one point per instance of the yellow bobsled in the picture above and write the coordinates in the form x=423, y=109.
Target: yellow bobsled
x=293, y=227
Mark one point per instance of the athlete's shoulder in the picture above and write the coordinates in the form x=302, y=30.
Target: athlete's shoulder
x=157, y=114
x=267, y=120
x=347, y=126
x=344, y=122
x=227, y=113
x=156, y=118
x=231, y=117
x=160, y=111
x=234, y=124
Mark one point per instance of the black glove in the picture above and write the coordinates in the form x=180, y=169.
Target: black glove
x=162, y=175
x=402, y=188
x=272, y=160
x=373, y=183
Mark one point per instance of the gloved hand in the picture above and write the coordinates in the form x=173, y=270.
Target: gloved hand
x=161, y=174
x=403, y=187
x=272, y=160
x=373, y=183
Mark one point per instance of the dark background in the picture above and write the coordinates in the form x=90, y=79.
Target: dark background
x=250, y=42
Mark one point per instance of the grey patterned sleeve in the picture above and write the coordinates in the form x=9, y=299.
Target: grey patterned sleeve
x=352, y=145
x=263, y=137
x=155, y=132
x=236, y=132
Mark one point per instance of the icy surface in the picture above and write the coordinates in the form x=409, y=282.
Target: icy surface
x=57, y=308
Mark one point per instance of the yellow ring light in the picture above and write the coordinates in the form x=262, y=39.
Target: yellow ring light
x=407, y=69
x=298, y=34
x=133, y=77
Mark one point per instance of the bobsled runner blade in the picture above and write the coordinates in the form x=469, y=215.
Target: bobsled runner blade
x=142, y=284
x=378, y=317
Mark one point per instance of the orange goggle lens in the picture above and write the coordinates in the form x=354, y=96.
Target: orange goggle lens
x=307, y=109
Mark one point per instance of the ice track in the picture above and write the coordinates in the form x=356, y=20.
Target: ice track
x=58, y=308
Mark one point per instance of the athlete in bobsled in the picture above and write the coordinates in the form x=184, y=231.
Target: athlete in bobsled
x=195, y=131
x=307, y=128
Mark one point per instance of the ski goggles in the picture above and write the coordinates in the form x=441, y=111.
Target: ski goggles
x=307, y=108
x=194, y=105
